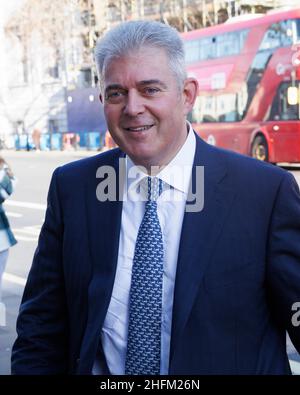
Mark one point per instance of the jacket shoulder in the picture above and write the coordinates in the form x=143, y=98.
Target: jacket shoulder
x=88, y=166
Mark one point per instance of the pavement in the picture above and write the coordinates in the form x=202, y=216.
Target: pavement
x=67, y=153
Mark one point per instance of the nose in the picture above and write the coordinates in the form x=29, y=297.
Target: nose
x=134, y=103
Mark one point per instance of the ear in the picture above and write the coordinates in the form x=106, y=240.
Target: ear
x=190, y=92
x=101, y=98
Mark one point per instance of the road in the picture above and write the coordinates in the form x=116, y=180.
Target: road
x=26, y=209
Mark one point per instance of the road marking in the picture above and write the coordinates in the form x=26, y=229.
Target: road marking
x=24, y=238
x=23, y=234
x=29, y=230
x=13, y=215
x=295, y=366
x=12, y=278
x=2, y=314
x=36, y=206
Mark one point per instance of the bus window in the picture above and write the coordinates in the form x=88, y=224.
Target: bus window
x=281, y=34
x=297, y=30
x=286, y=32
x=242, y=100
x=281, y=109
x=192, y=51
x=255, y=73
x=207, y=48
x=227, y=44
x=272, y=38
x=227, y=108
x=220, y=108
x=204, y=109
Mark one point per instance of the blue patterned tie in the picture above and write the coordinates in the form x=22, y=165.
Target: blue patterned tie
x=144, y=329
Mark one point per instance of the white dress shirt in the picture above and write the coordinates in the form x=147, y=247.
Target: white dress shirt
x=170, y=207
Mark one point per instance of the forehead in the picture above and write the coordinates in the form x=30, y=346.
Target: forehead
x=147, y=63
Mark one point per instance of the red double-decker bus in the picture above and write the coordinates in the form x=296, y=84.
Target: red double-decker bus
x=249, y=78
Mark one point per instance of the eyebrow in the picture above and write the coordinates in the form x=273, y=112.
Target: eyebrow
x=113, y=86
x=143, y=82
x=153, y=82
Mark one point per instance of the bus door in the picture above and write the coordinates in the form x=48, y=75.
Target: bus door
x=283, y=126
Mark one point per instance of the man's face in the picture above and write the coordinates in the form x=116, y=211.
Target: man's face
x=144, y=109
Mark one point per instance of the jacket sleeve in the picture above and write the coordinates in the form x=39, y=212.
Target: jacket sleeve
x=6, y=187
x=283, y=269
x=41, y=346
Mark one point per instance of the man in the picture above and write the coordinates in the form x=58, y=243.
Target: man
x=161, y=286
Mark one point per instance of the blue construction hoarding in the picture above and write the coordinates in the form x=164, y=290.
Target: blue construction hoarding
x=85, y=116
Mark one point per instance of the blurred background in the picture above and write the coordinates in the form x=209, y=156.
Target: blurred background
x=48, y=79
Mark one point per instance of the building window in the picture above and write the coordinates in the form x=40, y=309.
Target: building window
x=85, y=78
x=24, y=70
x=53, y=71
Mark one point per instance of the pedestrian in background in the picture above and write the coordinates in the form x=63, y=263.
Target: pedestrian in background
x=7, y=239
x=109, y=141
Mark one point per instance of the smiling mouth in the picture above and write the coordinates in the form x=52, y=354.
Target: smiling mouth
x=139, y=128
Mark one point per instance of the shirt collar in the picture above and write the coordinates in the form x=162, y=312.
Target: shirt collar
x=176, y=174
x=179, y=171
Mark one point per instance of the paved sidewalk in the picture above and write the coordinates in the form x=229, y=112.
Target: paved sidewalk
x=72, y=153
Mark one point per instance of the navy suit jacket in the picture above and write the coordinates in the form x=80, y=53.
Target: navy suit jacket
x=238, y=272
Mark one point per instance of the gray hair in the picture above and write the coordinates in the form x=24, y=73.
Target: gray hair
x=132, y=36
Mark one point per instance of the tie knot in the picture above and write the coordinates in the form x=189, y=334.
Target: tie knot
x=154, y=188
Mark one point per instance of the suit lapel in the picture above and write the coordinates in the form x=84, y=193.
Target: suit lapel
x=104, y=221
x=199, y=234
x=200, y=231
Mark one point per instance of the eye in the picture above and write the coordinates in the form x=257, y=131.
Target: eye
x=112, y=95
x=151, y=91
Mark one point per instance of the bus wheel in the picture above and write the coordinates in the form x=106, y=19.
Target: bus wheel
x=260, y=149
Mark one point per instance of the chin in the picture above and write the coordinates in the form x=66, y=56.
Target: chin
x=140, y=152
x=141, y=158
